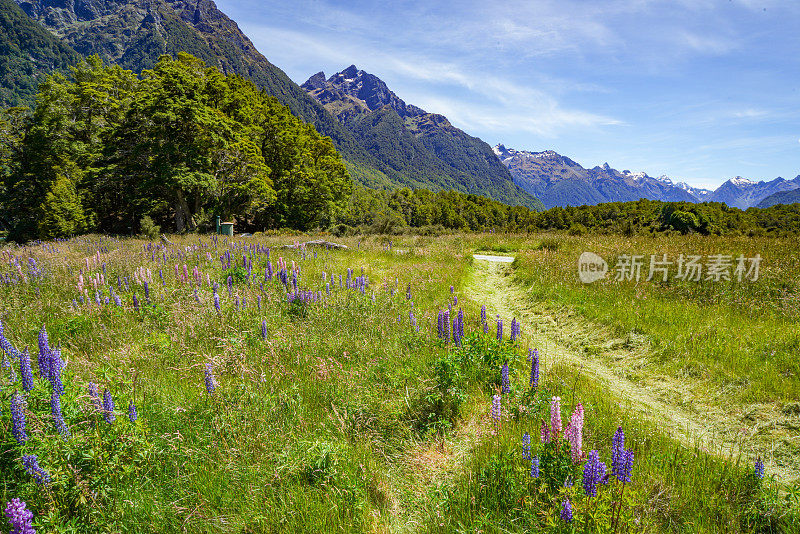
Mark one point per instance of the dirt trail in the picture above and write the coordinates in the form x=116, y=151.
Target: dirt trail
x=665, y=401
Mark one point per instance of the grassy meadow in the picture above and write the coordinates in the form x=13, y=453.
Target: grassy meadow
x=258, y=388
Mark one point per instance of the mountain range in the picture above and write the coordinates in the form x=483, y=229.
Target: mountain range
x=385, y=142
x=560, y=181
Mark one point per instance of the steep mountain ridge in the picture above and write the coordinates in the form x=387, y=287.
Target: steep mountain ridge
x=406, y=139
x=782, y=197
x=28, y=53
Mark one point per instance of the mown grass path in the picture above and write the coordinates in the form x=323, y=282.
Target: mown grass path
x=669, y=404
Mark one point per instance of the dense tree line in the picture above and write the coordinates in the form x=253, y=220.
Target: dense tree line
x=177, y=143
x=407, y=210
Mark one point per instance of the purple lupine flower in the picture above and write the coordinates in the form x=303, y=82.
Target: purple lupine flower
x=526, y=446
x=506, y=383
x=259, y=301
x=624, y=475
x=485, y=328
x=535, y=467
x=499, y=329
x=211, y=383
x=593, y=472
x=146, y=291
x=108, y=407
x=31, y=464
x=94, y=394
x=544, y=433
x=55, y=367
x=25, y=370
x=617, y=450
x=759, y=469
x=19, y=517
x=513, y=336
x=460, y=324
x=58, y=417
x=18, y=418
x=496, y=409
x=135, y=302
x=621, y=458
x=534, y=357
x=264, y=329
x=216, y=302
x=133, y=415
x=566, y=511
x=483, y=313
x=44, y=354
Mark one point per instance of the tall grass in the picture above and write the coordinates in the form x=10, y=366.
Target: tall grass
x=313, y=429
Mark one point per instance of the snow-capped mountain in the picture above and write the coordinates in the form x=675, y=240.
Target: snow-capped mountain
x=697, y=192
x=743, y=193
x=560, y=181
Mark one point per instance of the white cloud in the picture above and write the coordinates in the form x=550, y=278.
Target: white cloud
x=486, y=102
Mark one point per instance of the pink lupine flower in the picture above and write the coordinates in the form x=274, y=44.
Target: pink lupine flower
x=574, y=433
x=544, y=433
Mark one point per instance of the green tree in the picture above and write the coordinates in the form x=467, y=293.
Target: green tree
x=61, y=213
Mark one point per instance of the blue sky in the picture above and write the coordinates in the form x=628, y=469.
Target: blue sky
x=699, y=90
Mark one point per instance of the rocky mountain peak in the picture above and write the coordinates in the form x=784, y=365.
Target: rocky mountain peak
x=317, y=81
x=363, y=87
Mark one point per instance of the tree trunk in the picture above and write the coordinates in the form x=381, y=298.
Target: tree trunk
x=182, y=213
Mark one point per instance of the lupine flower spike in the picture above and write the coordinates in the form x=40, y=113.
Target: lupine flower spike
x=18, y=418
x=496, y=409
x=759, y=469
x=19, y=517
x=108, y=407
x=31, y=464
x=526, y=446
x=535, y=467
x=574, y=433
x=211, y=383
x=533, y=355
x=593, y=473
x=544, y=433
x=132, y=414
x=566, y=511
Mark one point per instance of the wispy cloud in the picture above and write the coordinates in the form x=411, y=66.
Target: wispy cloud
x=488, y=102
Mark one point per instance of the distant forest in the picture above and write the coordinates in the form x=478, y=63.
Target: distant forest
x=107, y=150
x=372, y=211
